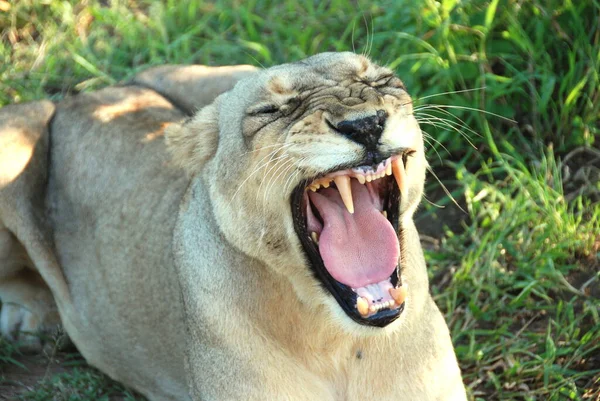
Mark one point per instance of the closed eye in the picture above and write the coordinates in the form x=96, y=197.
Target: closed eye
x=382, y=81
x=264, y=109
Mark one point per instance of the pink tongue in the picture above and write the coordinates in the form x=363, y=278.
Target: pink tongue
x=358, y=249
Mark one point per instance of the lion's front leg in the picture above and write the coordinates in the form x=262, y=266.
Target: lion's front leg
x=28, y=306
x=28, y=311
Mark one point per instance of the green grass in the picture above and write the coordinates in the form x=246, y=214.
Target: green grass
x=7, y=353
x=517, y=275
x=78, y=384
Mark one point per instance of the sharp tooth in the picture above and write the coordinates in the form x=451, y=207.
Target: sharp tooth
x=399, y=294
x=325, y=184
x=315, y=237
x=388, y=169
x=384, y=213
x=400, y=175
x=313, y=188
x=362, y=305
x=361, y=178
x=343, y=185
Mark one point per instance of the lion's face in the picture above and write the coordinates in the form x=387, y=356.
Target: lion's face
x=317, y=166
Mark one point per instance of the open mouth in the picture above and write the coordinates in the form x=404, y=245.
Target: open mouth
x=348, y=224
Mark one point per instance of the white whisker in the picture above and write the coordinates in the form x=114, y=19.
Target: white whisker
x=270, y=168
x=442, y=123
x=462, y=124
x=292, y=177
x=426, y=138
x=268, y=146
x=283, y=159
x=273, y=179
x=442, y=106
x=442, y=126
x=445, y=189
x=256, y=170
x=352, y=38
x=450, y=93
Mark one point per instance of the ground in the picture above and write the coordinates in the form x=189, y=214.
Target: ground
x=507, y=92
x=58, y=376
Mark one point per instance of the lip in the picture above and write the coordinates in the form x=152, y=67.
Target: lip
x=346, y=296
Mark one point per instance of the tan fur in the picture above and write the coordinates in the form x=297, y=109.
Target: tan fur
x=196, y=141
x=195, y=286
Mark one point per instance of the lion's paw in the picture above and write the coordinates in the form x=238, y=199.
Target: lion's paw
x=27, y=329
x=20, y=325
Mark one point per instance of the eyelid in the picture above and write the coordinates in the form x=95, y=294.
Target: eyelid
x=271, y=108
x=383, y=80
x=263, y=109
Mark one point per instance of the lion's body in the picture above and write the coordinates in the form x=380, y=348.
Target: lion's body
x=118, y=232
x=151, y=286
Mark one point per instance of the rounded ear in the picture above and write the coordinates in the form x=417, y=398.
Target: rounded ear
x=194, y=141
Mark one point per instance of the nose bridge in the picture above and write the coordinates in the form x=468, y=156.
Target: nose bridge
x=365, y=130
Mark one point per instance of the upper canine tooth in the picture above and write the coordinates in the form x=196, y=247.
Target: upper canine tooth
x=343, y=185
x=400, y=175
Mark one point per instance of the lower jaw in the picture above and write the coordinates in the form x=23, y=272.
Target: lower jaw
x=363, y=310
x=378, y=297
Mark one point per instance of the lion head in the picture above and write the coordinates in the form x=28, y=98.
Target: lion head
x=315, y=168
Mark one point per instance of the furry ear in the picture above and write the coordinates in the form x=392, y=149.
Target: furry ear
x=194, y=141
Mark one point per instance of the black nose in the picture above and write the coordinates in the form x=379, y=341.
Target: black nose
x=365, y=131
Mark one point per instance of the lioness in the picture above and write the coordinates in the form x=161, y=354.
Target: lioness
x=272, y=256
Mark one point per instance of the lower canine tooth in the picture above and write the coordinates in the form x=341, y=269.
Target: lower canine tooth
x=399, y=294
x=362, y=305
x=315, y=237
